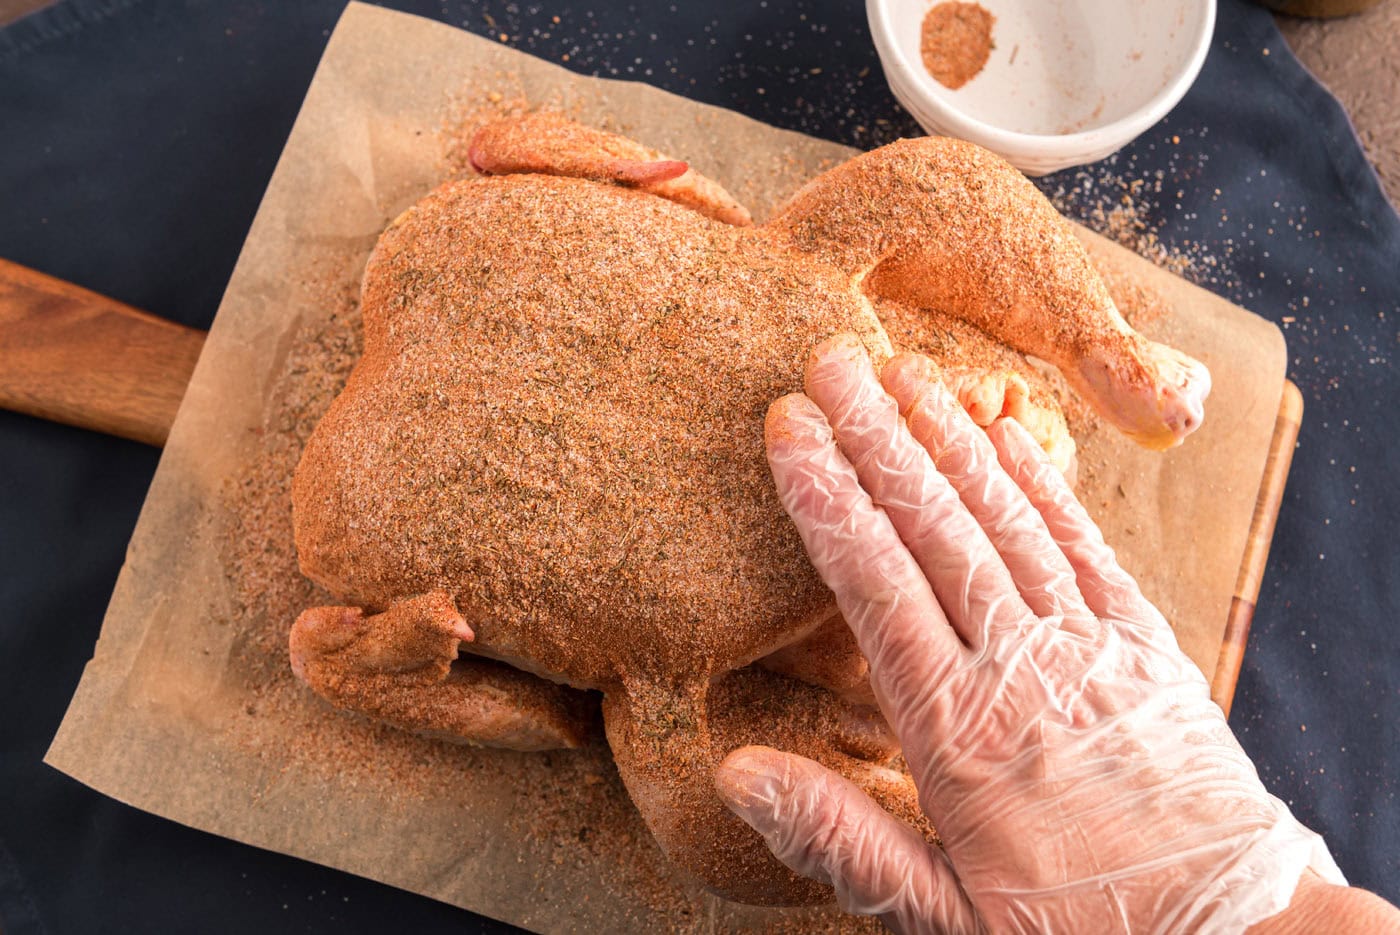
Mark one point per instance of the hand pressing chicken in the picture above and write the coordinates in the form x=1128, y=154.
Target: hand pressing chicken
x=553, y=434
x=1065, y=749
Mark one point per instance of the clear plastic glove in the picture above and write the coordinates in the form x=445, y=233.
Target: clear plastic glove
x=1065, y=749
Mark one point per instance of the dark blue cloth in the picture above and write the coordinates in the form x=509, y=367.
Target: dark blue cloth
x=136, y=139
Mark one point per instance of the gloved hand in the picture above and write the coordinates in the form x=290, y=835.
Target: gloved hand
x=1065, y=749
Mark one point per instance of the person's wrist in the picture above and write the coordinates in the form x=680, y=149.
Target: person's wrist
x=1319, y=906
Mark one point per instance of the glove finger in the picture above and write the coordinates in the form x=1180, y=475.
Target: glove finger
x=823, y=826
x=971, y=581
x=879, y=588
x=1109, y=591
x=965, y=456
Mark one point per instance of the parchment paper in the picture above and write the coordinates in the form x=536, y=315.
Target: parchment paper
x=168, y=719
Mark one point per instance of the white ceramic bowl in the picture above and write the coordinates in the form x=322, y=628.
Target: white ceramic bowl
x=1069, y=81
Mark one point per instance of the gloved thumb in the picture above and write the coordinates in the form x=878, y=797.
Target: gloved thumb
x=823, y=826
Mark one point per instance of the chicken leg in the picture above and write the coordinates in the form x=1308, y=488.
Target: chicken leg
x=943, y=224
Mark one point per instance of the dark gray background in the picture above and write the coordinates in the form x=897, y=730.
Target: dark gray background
x=135, y=142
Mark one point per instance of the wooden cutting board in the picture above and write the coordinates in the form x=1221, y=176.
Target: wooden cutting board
x=77, y=357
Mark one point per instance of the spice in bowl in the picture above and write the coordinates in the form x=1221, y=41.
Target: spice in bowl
x=956, y=42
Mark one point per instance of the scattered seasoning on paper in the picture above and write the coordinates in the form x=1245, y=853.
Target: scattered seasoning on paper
x=956, y=42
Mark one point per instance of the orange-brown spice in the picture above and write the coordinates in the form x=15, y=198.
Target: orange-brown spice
x=956, y=41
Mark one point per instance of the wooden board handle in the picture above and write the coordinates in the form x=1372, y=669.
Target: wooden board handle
x=77, y=357
x=1256, y=546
